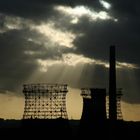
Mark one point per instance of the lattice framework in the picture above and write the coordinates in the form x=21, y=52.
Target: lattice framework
x=45, y=101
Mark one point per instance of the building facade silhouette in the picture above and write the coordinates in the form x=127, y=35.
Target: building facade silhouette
x=94, y=105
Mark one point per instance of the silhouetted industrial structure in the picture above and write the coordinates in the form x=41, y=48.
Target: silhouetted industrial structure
x=118, y=102
x=99, y=102
x=87, y=114
x=94, y=105
x=45, y=107
x=119, y=112
x=45, y=101
x=112, y=85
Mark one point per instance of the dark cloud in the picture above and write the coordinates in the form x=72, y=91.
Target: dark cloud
x=100, y=35
x=125, y=8
x=21, y=8
x=128, y=80
x=17, y=66
x=39, y=10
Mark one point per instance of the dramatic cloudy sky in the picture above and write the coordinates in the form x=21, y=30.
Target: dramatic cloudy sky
x=67, y=41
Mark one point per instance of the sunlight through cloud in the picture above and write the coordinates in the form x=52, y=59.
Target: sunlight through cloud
x=56, y=36
x=127, y=65
x=105, y=4
x=80, y=11
x=71, y=59
x=74, y=59
x=8, y=23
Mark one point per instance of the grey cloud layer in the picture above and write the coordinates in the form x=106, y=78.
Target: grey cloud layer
x=39, y=9
x=17, y=66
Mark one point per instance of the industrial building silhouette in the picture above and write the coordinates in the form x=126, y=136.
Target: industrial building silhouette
x=48, y=101
x=45, y=101
x=45, y=107
x=94, y=105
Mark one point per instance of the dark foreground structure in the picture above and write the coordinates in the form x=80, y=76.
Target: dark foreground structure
x=45, y=113
x=112, y=85
x=36, y=128
x=68, y=129
x=94, y=106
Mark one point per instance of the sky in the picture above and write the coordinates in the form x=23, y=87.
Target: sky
x=67, y=41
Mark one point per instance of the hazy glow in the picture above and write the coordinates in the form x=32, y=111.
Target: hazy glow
x=74, y=59
x=119, y=65
x=99, y=62
x=12, y=106
x=56, y=36
x=126, y=65
x=80, y=11
x=74, y=103
x=116, y=20
x=67, y=59
x=105, y=4
x=13, y=22
x=75, y=20
x=130, y=111
x=29, y=52
x=44, y=64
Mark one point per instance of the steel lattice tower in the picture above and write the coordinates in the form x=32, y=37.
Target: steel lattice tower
x=45, y=101
x=86, y=93
x=118, y=104
x=119, y=112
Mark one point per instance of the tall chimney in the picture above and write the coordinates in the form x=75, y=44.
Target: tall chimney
x=112, y=85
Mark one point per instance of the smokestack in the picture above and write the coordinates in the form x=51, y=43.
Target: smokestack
x=112, y=85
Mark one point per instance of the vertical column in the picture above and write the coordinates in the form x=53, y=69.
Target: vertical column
x=112, y=85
